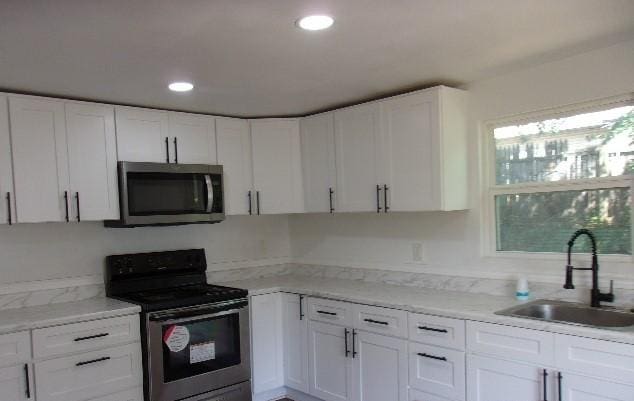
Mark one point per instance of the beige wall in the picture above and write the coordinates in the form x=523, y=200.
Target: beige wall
x=31, y=252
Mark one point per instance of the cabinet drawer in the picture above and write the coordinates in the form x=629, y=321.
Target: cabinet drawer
x=415, y=395
x=511, y=342
x=86, y=336
x=380, y=320
x=435, y=330
x=89, y=375
x=15, y=348
x=333, y=312
x=599, y=358
x=437, y=370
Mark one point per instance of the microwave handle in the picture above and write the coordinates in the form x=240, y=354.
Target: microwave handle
x=210, y=193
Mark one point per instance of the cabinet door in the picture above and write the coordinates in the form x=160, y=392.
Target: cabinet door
x=277, y=166
x=582, y=388
x=356, y=149
x=7, y=194
x=16, y=384
x=40, y=165
x=490, y=379
x=193, y=138
x=330, y=370
x=234, y=154
x=318, y=162
x=266, y=334
x=142, y=135
x=295, y=342
x=92, y=160
x=380, y=368
x=410, y=151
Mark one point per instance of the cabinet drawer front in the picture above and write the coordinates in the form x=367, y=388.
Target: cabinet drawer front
x=86, y=336
x=89, y=375
x=381, y=320
x=437, y=370
x=333, y=312
x=436, y=330
x=15, y=348
x=599, y=358
x=415, y=395
x=511, y=342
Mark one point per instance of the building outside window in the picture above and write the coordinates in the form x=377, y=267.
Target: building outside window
x=550, y=174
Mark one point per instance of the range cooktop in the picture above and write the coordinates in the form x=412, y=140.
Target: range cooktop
x=164, y=280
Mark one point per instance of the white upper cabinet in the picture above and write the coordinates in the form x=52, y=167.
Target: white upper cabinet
x=234, y=154
x=92, y=161
x=40, y=165
x=7, y=195
x=318, y=162
x=143, y=135
x=424, y=154
x=193, y=138
x=277, y=174
x=357, y=151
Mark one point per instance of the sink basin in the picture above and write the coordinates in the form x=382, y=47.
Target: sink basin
x=568, y=312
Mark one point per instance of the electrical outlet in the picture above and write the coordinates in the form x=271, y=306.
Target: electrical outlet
x=417, y=252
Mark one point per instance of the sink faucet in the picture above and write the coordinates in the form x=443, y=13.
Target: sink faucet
x=596, y=296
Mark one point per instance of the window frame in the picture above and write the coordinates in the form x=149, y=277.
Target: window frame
x=490, y=189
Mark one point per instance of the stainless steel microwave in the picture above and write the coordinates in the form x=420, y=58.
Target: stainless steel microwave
x=153, y=194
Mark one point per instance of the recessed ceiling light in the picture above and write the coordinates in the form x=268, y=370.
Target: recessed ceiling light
x=181, y=86
x=315, y=22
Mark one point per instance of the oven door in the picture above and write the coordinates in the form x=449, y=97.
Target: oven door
x=162, y=194
x=197, y=350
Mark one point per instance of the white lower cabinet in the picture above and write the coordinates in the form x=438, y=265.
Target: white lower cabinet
x=16, y=383
x=329, y=355
x=380, y=368
x=295, y=326
x=89, y=375
x=491, y=379
x=437, y=370
x=267, y=342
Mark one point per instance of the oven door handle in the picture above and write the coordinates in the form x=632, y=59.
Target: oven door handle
x=210, y=193
x=185, y=314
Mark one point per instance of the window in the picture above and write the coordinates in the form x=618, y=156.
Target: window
x=551, y=175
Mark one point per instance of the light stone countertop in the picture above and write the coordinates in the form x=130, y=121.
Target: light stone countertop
x=33, y=317
x=455, y=304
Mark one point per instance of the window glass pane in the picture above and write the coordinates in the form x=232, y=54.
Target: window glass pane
x=588, y=145
x=544, y=222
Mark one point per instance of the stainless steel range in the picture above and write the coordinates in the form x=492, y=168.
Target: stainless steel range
x=195, y=335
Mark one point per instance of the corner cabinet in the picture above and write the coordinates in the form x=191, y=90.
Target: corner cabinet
x=277, y=176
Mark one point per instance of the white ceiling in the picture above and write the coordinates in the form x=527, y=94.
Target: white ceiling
x=247, y=58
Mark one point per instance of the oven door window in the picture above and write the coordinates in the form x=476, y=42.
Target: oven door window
x=166, y=193
x=200, y=346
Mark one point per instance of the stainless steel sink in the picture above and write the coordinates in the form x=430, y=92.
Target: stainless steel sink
x=572, y=313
